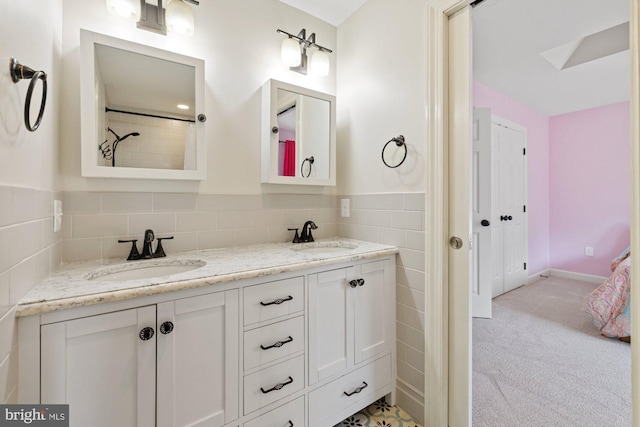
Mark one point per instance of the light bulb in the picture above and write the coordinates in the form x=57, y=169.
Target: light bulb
x=179, y=17
x=319, y=64
x=290, y=52
x=128, y=9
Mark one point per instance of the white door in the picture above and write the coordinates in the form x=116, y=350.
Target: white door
x=192, y=333
x=509, y=225
x=459, y=180
x=330, y=323
x=103, y=368
x=481, y=283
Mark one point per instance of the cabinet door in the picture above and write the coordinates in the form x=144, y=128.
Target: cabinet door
x=198, y=361
x=374, y=309
x=330, y=324
x=102, y=368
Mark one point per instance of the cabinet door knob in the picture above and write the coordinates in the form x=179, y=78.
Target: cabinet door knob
x=358, y=390
x=166, y=328
x=146, y=333
x=509, y=217
x=277, y=386
x=485, y=223
x=356, y=282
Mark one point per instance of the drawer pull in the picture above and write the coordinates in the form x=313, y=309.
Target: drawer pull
x=358, y=390
x=277, y=386
x=277, y=302
x=277, y=344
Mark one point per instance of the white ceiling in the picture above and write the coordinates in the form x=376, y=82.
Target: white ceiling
x=335, y=12
x=509, y=35
x=143, y=83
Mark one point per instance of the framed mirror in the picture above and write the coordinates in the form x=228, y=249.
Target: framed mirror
x=142, y=111
x=298, y=135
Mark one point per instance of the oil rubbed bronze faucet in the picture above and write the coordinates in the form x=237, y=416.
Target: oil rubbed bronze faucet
x=305, y=234
x=147, y=247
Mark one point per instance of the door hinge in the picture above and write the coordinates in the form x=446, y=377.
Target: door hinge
x=524, y=151
x=525, y=265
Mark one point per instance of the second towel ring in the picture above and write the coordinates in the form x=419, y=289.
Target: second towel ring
x=310, y=160
x=399, y=140
x=19, y=72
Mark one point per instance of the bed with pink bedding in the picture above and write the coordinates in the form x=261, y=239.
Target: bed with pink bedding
x=610, y=304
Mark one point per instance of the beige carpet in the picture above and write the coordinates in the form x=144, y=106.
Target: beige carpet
x=541, y=362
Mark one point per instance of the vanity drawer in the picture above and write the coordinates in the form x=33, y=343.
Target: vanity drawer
x=273, y=342
x=268, y=385
x=274, y=299
x=291, y=414
x=331, y=398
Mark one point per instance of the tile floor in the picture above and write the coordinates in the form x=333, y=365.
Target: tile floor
x=380, y=414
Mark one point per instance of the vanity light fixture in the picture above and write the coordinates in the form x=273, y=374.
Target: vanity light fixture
x=294, y=53
x=177, y=17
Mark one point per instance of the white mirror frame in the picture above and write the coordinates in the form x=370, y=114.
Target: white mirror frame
x=89, y=144
x=270, y=139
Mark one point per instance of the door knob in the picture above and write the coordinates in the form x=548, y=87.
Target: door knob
x=485, y=223
x=455, y=242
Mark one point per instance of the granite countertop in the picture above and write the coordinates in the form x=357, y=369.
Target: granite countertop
x=79, y=284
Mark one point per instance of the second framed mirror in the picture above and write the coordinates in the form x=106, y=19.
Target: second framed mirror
x=298, y=135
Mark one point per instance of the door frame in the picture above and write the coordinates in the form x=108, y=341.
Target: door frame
x=438, y=361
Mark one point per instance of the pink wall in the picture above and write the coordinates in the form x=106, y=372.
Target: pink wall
x=590, y=191
x=537, y=126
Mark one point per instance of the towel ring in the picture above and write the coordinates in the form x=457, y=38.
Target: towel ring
x=19, y=72
x=310, y=160
x=399, y=140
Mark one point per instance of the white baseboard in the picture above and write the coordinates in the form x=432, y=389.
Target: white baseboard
x=410, y=400
x=537, y=276
x=577, y=276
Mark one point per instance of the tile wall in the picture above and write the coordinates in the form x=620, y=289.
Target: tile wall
x=29, y=251
x=93, y=222
x=160, y=145
x=398, y=219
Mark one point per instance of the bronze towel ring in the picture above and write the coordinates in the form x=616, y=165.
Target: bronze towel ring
x=19, y=72
x=399, y=140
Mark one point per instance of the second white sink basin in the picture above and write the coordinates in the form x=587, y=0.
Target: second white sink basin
x=144, y=270
x=324, y=247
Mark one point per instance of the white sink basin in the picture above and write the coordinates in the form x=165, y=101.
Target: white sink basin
x=144, y=270
x=324, y=247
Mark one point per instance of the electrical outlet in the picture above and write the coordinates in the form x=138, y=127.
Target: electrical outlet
x=345, y=208
x=588, y=250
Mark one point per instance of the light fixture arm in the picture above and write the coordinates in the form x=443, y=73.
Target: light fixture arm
x=304, y=41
